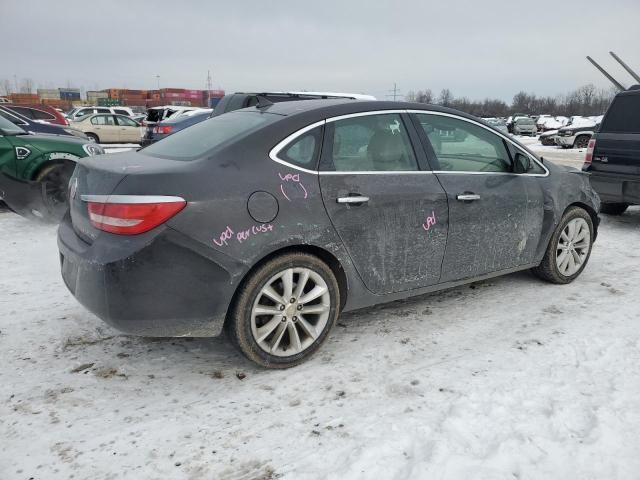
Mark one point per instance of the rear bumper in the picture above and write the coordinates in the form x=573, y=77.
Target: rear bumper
x=614, y=188
x=154, y=284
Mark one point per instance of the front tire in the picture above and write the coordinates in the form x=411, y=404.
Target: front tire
x=613, y=208
x=569, y=248
x=284, y=310
x=54, y=183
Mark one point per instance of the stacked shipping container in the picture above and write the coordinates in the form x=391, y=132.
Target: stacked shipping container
x=24, y=98
x=67, y=97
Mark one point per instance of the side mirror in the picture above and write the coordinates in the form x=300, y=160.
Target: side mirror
x=522, y=163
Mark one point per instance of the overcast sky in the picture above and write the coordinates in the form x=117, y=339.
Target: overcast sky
x=482, y=48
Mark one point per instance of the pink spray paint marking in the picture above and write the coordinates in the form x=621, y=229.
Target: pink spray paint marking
x=430, y=222
x=254, y=230
x=242, y=235
x=224, y=237
x=291, y=178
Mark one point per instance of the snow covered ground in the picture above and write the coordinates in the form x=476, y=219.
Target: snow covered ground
x=510, y=378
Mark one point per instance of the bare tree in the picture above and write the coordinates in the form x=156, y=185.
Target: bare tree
x=5, y=87
x=425, y=96
x=26, y=85
x=446, y=97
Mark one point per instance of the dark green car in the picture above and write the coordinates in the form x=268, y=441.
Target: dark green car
x=35, y=170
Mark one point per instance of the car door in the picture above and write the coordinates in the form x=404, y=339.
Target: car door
x=129, y=131
x=388, y=209
x=106, y=129
x=495, y=206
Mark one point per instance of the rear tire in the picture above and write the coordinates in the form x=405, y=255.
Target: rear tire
x=284, y=311
x=613, y=208
x=569, y=248
x=93, y=136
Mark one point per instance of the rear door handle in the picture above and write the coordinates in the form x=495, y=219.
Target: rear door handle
x=356, y=199
x=467, y=197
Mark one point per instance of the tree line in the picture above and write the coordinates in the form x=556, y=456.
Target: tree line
x=586, y=100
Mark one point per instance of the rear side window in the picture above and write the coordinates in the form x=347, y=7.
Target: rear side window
x=623, y=115
x=40, y=115
x=26, y=112
x=13, y=119
x=120, y=112
x=103, y=120
x=303, y=151
x=372, y=143
x=205, y=137
x=102, y=110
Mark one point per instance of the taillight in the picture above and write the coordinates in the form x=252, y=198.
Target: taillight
x=590, y=148
x=131, y=214
x=164, y=129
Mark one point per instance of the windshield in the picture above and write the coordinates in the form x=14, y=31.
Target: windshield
x=524, y=121
x=194, y=142
x=9, y=128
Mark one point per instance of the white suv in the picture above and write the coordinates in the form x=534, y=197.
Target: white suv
x=78, y=112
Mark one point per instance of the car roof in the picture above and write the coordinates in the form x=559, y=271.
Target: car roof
x=335, y=107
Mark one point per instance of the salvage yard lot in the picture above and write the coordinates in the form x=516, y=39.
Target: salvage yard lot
x=507, y=378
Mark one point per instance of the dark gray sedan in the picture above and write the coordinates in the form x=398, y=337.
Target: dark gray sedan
x=269, y=221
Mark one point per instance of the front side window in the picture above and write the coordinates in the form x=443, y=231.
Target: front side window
x=461, y=146
x=102, y=110
x=120, y=112
x=126, y=122
x=372, y=143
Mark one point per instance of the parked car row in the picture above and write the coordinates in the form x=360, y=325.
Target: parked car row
x=278, y=215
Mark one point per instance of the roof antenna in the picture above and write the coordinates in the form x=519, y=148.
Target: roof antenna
x=617, y=84
x=263, y=102
x=635, y=76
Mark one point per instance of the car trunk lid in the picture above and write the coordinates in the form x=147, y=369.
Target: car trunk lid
x=128, y=173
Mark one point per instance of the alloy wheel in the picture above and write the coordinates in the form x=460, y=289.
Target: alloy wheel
x=573, y=247
x=290, y=311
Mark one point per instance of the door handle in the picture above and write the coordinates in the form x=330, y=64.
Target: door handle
x=357, y=199
x=467, y=197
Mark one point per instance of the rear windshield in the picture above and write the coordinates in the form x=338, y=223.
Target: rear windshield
x=623, y=115
x=194, y=142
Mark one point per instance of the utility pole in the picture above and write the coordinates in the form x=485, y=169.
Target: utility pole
x=395, y=92
x=158, y=79
x=209, y=81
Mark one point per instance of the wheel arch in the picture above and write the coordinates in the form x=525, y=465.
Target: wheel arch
x=40, y=169
x=581, y=134
x=592, y=213
x=327, y=257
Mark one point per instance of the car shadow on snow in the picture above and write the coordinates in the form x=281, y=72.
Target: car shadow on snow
x=628, y=220
x=107, y=354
